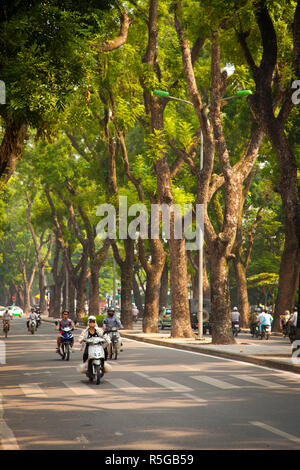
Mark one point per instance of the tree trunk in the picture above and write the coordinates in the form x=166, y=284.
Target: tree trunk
x=94, y=298
x=180, y=319
x=288, y=276
x=242, y=292
x=42, y=290
x=150, y=319
x=10, y=149
x=137, y=296
x=153, y=272
x=164, y=287
x=126, y=267
x=220, y=299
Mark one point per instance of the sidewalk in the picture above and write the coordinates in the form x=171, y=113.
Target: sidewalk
x=275, y=353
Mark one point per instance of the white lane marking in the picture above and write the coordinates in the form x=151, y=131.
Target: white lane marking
x=7, y=438
x=166, y=383
x=286, y=435
x=38, y=373
x=193, y=397
x=215, y=382
x=81, y=389
x=32, y=390
x=125, y=386
x=258, y=381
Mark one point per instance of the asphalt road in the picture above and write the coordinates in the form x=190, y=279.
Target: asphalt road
x=154, y=398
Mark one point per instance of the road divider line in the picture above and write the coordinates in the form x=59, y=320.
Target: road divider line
x=7, y=438
x=214, y=382
x=280, y=433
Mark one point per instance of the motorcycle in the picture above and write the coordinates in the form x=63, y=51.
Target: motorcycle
x=5, y=328
x=95, y=369
x=255, y=330
x=66, y=340
x=235, y=328
x=32, y=326
x=113, y=346
x=265, y=331
x=39, y=321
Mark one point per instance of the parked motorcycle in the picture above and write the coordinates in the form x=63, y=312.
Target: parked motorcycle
x=5, y=328
x=95, y=369
x=113, y=346
x=32, y=326
x=235, y=328
x=66, y=340
x=265, y=331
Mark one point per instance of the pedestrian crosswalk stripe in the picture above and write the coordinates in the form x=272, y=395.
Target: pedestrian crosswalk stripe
x=215, y=382
x=174, y=386
x=124, y=385
x=258, y=381
x=81, y=389
x=33, y=390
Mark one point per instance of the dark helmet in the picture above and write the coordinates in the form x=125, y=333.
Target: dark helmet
x=110, y=310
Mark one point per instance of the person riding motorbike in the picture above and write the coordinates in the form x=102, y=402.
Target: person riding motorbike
x=284, y=322
x=6, y=318
x=92, y=330
x=253, y=321
x=235, y=316
x=111, y=321
x=32, y=316
x=265, y=319
x=62, y=323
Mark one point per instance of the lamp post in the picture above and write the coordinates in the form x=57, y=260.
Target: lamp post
x=165, y=94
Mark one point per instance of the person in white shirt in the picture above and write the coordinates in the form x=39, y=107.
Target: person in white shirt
x=235, y=315
x=32, y=316
x=6, y=318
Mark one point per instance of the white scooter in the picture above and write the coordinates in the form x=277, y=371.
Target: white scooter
x=32, y=326
x=95, y=369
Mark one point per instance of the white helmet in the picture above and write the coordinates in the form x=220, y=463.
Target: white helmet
x=92, y=318
x=235, y=309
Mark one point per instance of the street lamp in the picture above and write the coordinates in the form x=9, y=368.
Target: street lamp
x=165, y=94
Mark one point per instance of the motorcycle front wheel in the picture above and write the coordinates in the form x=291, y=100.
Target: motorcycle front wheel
x=115, y=347
x=67, y=352
x=98, y=373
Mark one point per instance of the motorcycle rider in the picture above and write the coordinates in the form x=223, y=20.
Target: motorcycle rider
x=92, y=330
x=265, y=319
x=111, y=321
x=6, y=318
x=62, y=323
x=253, y=322
x=32, y=316
x=235, y=316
